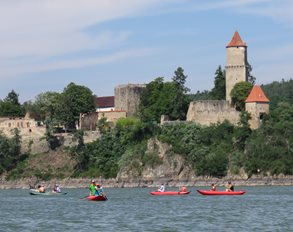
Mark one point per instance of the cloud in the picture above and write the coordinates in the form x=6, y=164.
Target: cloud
x=34, y=31
x=77, y=63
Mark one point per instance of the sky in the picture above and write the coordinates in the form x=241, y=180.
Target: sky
x=100, y=44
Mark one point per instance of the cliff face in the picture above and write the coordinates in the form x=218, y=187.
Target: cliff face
x=172, y=167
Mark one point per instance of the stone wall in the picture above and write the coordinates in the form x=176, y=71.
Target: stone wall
x=10, y=123
x=112, y=116
x=88, y=121
x=127, y=98
x=206, y=112
x=257, y=110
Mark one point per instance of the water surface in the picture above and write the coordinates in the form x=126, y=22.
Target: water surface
x=134, y=209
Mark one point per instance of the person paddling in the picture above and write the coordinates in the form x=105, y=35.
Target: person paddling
x=41, y=189
x=183, y=189
x=56, y=189
x=92, y=188
x=162, y=188
x=213, y=187
x=99, y=190
x=229, y=187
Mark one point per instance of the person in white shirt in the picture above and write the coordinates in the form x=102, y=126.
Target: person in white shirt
x=57, y=189
x=162, y=188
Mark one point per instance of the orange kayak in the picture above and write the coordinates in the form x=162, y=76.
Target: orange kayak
x=97, y=198
x=209, y=192
x=169, y=193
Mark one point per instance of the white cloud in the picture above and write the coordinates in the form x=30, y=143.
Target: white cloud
x=76, y=63
x=37, y=30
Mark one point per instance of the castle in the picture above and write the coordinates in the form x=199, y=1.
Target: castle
x=205, y=112
x=237, y=69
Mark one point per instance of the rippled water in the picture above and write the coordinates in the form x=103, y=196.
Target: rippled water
x=134, y=209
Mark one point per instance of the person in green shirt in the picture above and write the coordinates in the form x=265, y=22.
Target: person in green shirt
x=92, y=188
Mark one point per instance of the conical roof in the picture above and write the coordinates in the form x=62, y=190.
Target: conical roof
x=236, y=41
x=257, y=95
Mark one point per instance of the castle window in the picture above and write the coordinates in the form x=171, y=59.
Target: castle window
x=261, y=116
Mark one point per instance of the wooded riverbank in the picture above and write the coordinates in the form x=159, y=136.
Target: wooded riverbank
x=113, y=183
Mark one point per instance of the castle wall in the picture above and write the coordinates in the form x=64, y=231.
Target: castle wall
x=112, y=116
x=256, y=110
x=236, y=68
x=88, y=121
x=10, y=123
x=127, y=98
x=207, y=112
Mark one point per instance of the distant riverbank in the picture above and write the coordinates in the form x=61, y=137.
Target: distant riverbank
x=84, y=182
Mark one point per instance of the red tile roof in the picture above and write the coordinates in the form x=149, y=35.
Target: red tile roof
x=236, y=41
x=105, y=102
x=257, y=95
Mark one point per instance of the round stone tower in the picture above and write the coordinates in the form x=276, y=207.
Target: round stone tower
x=237, y=65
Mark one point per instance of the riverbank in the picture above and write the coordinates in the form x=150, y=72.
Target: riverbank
x=113, y=183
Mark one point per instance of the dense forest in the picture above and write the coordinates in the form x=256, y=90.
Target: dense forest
x=211, y=151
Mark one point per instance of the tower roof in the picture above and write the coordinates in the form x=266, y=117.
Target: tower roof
x=257, y=95
x=236, y=41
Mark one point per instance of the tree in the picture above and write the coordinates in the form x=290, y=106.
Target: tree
x=269, y=149
x=45, y=105
x=10, y=106
x=239, y=94
x=150, y=107
x=181, y=101
x=179, y=79
x=219, y=90
x=251, y=79
x=74, y=100
x=165, y=98
x=9, y=150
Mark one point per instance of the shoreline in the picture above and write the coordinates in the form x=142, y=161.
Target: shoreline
x=140, y=183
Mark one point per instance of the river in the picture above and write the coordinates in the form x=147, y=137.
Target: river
x=266, y=208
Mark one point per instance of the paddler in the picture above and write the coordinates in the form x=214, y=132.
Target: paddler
x=92, y=188
x=183, y=189
x=41, y=189
x=213, y=187
x=229, y=187
x=162, y=188
x=99, y=190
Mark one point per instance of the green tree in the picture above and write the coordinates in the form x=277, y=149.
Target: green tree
x=10, y=106
x=181, y=101
x=179, y=79
x=9, y=151
x=239, y=94
x=74, y=100
x=44, y=105
x=165, y=98
x=251, y=79
x=52, y=140
x=279, y=91
x=269, y=149
x=219, y=90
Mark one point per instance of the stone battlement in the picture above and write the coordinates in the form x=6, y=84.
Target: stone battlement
x=207, y=112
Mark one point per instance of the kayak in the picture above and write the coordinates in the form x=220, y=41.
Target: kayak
x=96, y=198
x=209, y=192
x=36, y=192
x=169, y=193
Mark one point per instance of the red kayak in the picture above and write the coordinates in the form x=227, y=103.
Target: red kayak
x=97, y=198
x=209, y=192
x=169, y=193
